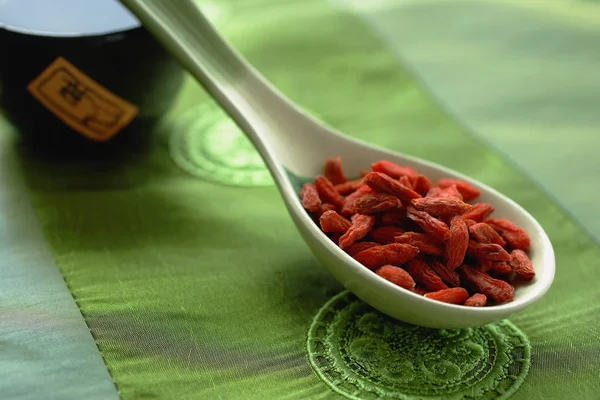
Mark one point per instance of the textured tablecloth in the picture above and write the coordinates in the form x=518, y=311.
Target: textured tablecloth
x=176, y=272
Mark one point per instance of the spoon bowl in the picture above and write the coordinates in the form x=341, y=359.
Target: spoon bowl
x=295, y=146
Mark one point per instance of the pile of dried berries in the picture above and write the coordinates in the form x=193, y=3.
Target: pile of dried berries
x=430, y=239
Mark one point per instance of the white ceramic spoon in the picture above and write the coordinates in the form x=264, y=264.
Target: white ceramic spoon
x=294, y=147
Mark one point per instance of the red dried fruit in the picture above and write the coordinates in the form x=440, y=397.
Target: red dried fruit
x=485, y=265
x=361, y=225
x=434, y=192
x=335, y=237
x=424, y=275
x=392, y=169
x=382, y=183
x=425, y=244
x=449, y=276
x=324, y=208
x=477, y=300
x=466, y=189
x=333, y=170
x=479, y=212
x=521, y=264
x=310, y=197
x=450, y=192
x=484, y=233
x=397, y=276
x=327, y=192
x=386, y=234
x=420, y=290
x=349, y=187
x=469, y=222
x=357, y=247
x=487, y=251
x=456, y=295
x=516, y=237
x=364, y=173
x=430, y=225
x=348, y=206
x=457, y=244
x=376, y=202
x=333, y=222
x=392, y=254
x=495, y=289
x=441, y=207
x=500, y=268
x=396, y=217
x=421, y=185
x=406, y=181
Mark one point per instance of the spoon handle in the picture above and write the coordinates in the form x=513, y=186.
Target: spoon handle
x=272, y=123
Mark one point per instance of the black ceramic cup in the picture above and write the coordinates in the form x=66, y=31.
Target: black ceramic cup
x=80, y=74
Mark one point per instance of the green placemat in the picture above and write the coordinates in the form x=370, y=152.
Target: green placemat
x=199, y=290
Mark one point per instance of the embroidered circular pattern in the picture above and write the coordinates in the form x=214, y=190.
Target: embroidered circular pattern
x=209, y=145
x=363, y=354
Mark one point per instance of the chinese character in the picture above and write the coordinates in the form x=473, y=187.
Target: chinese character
x=72, y=92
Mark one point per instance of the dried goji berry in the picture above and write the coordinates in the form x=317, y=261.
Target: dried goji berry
x=495, y=289
x=455, y=295
x=386, y=234
x=420, y=290
x=376, y=202
x=469, y=222
x=477, y=300
x=521, y=264
x=327, y=192
x=487, y=251
x=361, y=225
x=425, y=244
x=335, y=237
x=310, y=197
x=357, y=247
x=515, y=236
x=430, y=225
x=382, y=183
x=450, y=192
x=434, y=192
x=457, y=244
x=424, y=275
x=397, y=276
x=485, y=265
x=333, y=170
x=392, y=254
x=392, y=169
x=479, y=212
x=441, y=207
x=324, y=208
x=406, y=181
x=484, y=233
x=500, y=268
x=333, y=222
x=466, y=189
x=364, y=173
x=349, y=187
x=448, y=275
x=396, y=217
x=422, y=185
x=348, y=205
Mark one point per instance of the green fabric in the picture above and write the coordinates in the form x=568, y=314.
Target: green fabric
x=47, y=349
x=530, y=91
x=197, y=290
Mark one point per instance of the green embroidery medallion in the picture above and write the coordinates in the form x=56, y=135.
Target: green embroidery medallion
x=363, y=354
x=210, y=146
